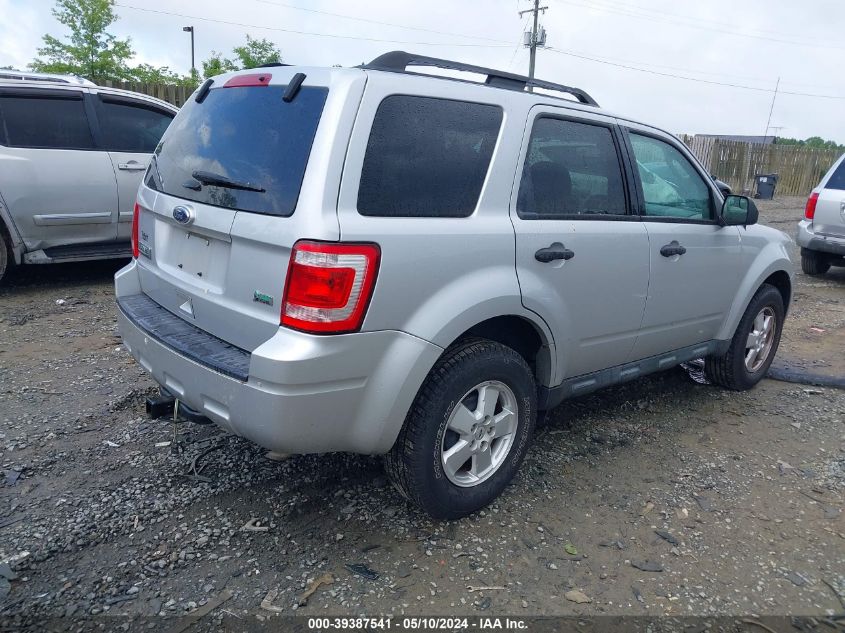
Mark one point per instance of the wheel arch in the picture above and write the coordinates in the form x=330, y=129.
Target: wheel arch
x=9, y=234
x=780, y=279
x=525, y=336
x=530, y=338
x=776, y=271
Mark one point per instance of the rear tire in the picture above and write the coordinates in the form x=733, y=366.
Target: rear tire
x=467, y=431
x=754, y=344
x=814, y=263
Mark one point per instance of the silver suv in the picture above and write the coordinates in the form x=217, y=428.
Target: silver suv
x=821, y=234
x=387, y=262
x=72, y=155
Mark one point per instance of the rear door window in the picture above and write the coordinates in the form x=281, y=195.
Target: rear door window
x=427, y=157
x=127, y=127
x=572, y=168
x=837, y=178
x=246, y=135
x=57, y=121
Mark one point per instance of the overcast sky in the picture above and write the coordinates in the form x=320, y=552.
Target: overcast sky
x=741, y=42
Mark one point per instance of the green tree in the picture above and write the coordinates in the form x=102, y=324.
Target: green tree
x=251, y=55
x=257, y=52
x=217, y=65
x=145, y=73
x=90, y=51
x=815, y=142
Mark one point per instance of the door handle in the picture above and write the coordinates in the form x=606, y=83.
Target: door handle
x=131, y=166
x=554, y=252
x=672, y=248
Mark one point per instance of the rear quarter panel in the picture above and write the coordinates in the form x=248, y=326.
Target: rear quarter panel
x=440, y=276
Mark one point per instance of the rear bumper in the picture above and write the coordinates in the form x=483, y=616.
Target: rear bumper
x=806, y=238
x=302, y=393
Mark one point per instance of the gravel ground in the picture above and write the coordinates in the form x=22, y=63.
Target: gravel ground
x=660, y=497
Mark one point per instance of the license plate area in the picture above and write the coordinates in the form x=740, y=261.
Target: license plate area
x=193, y=253
x=197, y=259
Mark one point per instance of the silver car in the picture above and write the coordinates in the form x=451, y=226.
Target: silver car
x=72, y=155
x=386, y=262
x=821, y=234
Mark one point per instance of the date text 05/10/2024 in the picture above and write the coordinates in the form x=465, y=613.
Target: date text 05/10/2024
x=418, y=624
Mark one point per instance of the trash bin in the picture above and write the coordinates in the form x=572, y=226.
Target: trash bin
x=765, y=186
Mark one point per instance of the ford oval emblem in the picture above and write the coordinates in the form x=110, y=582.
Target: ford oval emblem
x=183, y=214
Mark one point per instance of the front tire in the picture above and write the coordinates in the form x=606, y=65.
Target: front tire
x=814, y=263
x=754, y=344
x=467, y=431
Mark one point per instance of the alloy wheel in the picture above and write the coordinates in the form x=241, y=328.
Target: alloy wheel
x=479, y=433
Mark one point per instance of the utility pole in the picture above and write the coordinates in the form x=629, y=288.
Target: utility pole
x=536, y=37
x=769, y=120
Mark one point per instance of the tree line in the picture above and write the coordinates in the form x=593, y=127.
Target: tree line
x=814, y=142
x=90, y=51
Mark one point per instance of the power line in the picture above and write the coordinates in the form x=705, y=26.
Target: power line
x=378, y=22
x=519, y=43
x=725, y=76
x=468, y=45
x=660, y=13
x=695, y=79
x=656, y=18
x=296, y=32
x=617, y=3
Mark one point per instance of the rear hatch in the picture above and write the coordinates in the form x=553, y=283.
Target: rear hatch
x=829, y=218
x=239, y=177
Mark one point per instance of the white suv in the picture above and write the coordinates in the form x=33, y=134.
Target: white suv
x=821, y=234
x=386, y=262
x=72, y=155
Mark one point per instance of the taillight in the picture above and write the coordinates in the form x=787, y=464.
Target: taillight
x=810, y=208
x=329, y=286
x=135, y=213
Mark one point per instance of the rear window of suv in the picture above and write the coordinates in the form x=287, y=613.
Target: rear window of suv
x=247, y=135
x=427, y=157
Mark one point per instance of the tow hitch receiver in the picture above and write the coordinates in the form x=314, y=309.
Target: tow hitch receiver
x=161, y=406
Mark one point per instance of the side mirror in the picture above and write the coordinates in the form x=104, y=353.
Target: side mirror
x=738, y=210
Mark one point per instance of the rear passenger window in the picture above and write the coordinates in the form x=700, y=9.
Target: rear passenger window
x=129, y=128
x=570, y=169
x=55, y=122
x=837, y=178
x=427, y=157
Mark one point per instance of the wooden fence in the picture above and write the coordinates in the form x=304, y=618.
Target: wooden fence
x=799, y=169
x=177, y=95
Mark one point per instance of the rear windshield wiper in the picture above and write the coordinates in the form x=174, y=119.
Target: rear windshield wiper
x=209, y=178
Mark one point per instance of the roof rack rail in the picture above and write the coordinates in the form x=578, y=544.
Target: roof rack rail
x=398, y=62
